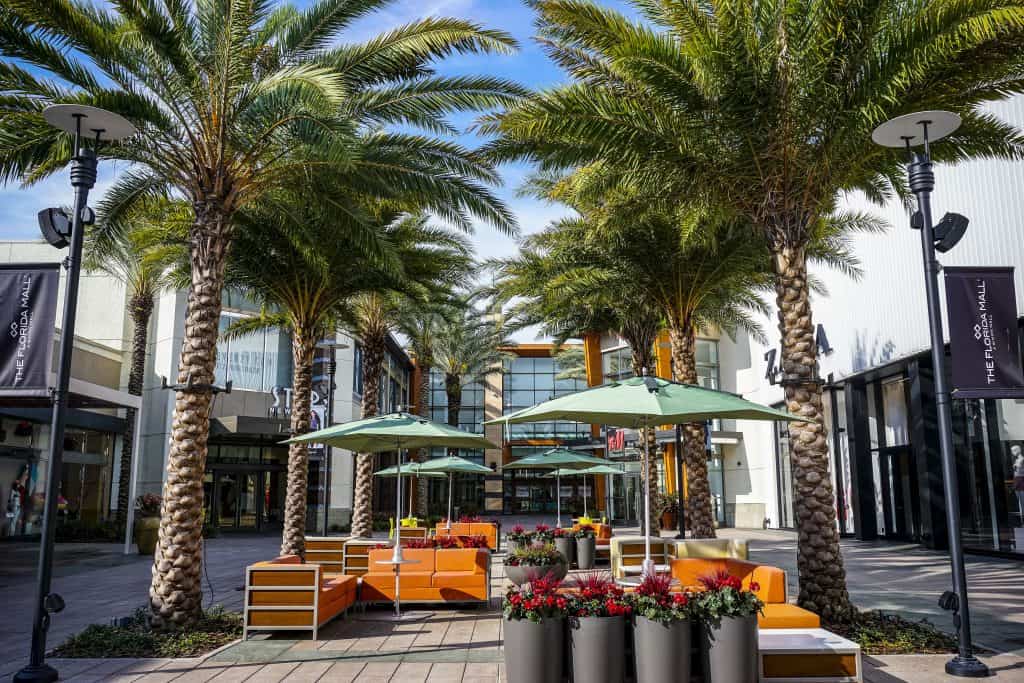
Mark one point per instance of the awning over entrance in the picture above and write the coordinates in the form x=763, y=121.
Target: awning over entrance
x=249, y=425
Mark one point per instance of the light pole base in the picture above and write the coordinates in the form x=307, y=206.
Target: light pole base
x=44, y=673
x=967, y=667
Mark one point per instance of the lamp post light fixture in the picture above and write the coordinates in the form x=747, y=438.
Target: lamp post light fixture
x=99, y=126
x=908, y=132
x=332, y=369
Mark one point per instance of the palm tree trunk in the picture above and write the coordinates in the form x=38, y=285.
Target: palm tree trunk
x=453, y=389
x=819, y=559
x=362, y=507
x=175, y=594
x=423, y=408
x=699, y=518
x=293, y=535
x=140, y=308
x=642, y=360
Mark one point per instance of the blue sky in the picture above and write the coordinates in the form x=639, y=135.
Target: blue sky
x=530, y=67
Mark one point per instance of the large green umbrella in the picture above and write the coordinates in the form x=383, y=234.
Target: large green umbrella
x=596, y=469
x=394, y=431
x=640, y=402
x=411, y=469
x=557, y=459
x=452, y=465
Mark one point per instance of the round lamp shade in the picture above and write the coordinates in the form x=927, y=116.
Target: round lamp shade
x=910, y=127
x=109, y=126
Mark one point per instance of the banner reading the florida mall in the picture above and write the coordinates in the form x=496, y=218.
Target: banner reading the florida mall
x=28, y=305
x=983, y=335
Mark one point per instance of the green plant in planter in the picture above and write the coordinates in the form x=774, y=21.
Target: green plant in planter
x=519, y=536
x=729, y=630
x=538, y=560
x=544, y=533
x=534, y=634
x=654, y=600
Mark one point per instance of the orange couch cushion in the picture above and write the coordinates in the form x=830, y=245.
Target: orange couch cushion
x=408, y=579
x=457, y=580
x=784, y=615
x=488, y=530
x=771, y=580
x=473, y=560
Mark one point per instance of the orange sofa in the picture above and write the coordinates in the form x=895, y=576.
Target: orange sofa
x=489, y=530
x=284, y=594
x=778, y=612
x=454, y=575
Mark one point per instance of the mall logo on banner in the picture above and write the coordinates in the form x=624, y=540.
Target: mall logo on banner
x=983, y=334
x=28, y=306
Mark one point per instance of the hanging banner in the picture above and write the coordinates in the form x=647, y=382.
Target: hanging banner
x=28, y=306
x=983, y=335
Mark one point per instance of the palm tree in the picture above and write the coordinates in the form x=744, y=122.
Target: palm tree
x=767, y=109
x=141, y=257
x=233, y=99
x=292, y=257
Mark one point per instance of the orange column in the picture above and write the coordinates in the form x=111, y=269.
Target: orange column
x=594, y=367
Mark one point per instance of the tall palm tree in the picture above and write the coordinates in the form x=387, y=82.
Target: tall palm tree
x=767, y=109
x=233, y=99
x=142, y=257
x=292, y=257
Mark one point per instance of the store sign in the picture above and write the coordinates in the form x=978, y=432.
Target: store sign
x=983, y=334
x=28, y=306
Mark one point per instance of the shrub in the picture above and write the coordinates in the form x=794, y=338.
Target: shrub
x=415, y=543
x=473, y=541
x=537, y=555
x=518, y=534
x=598, y=596
x=724, y=596
x=535, y=601
x=148, y=505
x=655, y=600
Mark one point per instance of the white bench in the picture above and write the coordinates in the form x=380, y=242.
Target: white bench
x=807, y=655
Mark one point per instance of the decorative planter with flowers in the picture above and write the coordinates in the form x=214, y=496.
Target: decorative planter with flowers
x=565, y=543
x=536, y=561
x=543, y=533
x=586, y=547
x=729, y=631
x=597, y=631
x=518, y=537
x=662, y=634
x=534, y=629
x=147, y=522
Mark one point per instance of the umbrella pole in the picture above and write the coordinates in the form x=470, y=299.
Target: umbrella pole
x=410, y=495
x=558, y=499
x=450, y=475
x=648, y=562
x=397, y=557
x=585, y=495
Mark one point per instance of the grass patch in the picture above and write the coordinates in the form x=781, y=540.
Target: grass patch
x=134, y=638
x=878, y=633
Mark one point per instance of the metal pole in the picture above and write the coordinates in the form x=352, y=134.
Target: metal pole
x=332, y=367
x=134, y=483
x=449, y=525
x=396, y=557
x=648, y=562
x=558, y=498
x=922, y=181
x=679, y=482
x=83, y=177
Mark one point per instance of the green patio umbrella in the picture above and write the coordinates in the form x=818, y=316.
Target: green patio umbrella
x=596, y=469
x=452, y=465
x=557, y=459
x=640, y=402
x=394, y=431
x=412, y=469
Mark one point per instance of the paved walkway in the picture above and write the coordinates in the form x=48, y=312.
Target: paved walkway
x=99, y=584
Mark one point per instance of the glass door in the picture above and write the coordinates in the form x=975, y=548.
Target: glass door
x=226, y=491
x=248, y=500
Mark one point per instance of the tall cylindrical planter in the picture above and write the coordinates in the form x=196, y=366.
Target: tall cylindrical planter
x=534, y=650
x=586, y=552
x=729, y=650
x=661, y=652
x=597, y=649
x=567, y=546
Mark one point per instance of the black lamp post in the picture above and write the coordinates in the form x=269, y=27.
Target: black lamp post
x=100, y=126
x=909, y=131
x=332, y=369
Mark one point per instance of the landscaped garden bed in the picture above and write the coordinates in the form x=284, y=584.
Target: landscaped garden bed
x=134, y=638
x=878, y=633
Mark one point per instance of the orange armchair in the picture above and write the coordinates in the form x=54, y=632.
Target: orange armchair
x=778, y=613
x=286, y=595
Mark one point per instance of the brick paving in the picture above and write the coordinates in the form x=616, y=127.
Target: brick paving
x=464, y=644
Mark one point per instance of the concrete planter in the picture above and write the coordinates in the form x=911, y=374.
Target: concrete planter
x=147, y=532
x=661, y=652
x=597, y=649
x=567, y=546
x=534, y=651
x=729, y=650
x=524, y=574
x=586, y=552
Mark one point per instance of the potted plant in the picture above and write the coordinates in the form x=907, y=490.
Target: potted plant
x=536, y=561
x=662, y=632
x=543, y=533
x=565, y=543
x=586, y=546
x=729, y=629
x=147, y=522
x=518, y=537
x=667, y=508
x=534, y=632
x=597, y=630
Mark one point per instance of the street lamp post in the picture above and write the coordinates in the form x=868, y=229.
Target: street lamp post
x=909, y=131
x=332, y=369
x=100, y=126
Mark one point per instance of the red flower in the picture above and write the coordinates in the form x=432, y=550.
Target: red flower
x=754, y=586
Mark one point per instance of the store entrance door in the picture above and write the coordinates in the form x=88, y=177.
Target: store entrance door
x=243, y=500
x=627, y=495
x=899, y=493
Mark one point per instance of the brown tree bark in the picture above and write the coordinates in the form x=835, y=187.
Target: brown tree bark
x=819, y=559
x=175, y=594
x=293, y=535
x=699, y=518
x=374, y=347
x=423, y=409
x=140, y=308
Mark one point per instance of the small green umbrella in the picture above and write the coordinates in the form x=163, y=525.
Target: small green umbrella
x=411, y=469
x=640, y=402
x=557, y=459
x=596, y=469
x=452, y=465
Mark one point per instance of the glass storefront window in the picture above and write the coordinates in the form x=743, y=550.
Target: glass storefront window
x=894, y=410
x=529, y=381
x=784, y=473
x=257, y=361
